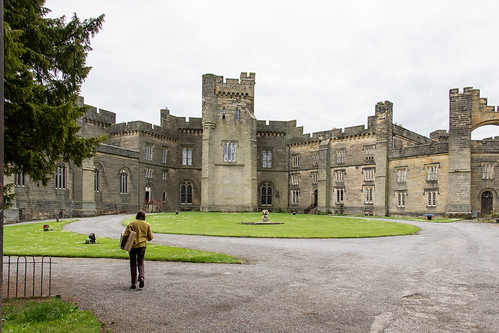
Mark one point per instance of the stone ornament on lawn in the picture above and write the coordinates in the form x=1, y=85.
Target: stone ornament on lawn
x=265, y=217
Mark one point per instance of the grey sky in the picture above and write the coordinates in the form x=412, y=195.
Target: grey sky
x=324, y=63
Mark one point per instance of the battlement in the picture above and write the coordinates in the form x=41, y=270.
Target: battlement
x=143, y=127
x=439, y=135
x=382, y=107
x=489, y=145
x=421, y=150
x=475, y=93
x=173, y=123
x=96, y=115
x=244, y=86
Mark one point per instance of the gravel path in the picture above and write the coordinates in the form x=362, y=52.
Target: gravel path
x=444, y=279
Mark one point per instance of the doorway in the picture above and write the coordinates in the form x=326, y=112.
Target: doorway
x=487, y=203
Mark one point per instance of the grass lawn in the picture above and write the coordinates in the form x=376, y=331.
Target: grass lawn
x=30, y=239
x=295, y=226
x=46, y=315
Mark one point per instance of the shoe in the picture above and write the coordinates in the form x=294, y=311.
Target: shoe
x=133, y=286
x=141, y=283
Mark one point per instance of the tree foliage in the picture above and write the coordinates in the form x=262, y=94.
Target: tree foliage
x=45, y=66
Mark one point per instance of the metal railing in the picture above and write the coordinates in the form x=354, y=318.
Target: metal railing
x=27, y=276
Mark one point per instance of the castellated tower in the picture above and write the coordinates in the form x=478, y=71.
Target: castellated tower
x=229, y=169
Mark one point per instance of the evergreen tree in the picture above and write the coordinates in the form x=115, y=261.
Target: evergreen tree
x=45, y=66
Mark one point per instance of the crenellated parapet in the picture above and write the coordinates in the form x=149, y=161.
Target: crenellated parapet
x=243, y=87
x=421, y=150
x=136, y=127
x=95, y=116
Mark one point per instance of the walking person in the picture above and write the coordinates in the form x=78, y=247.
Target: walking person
x=143, y=234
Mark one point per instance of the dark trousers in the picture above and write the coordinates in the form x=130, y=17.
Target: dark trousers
x=137, y=261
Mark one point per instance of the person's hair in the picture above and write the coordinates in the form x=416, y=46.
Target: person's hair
x=141, y=215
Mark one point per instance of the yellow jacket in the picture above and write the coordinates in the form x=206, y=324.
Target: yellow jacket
x=143, y=233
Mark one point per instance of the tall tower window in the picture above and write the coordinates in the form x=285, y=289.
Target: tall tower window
x=164, y=155
x=19, y=179
x=401, y=175
x=123, y=182
x=368, y=195
x=186, y=193
x=96, y=180
x=266, y=158
x=488, y=171
x=237, y=113
x=340, y=156
x=148, y=151
x=186, y=156
x=266, y=195
x=431, y=172
x=60, y=177
x=229, y=152
x=432, y=198
x=223, y=113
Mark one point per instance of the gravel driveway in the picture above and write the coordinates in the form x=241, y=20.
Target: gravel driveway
x=444, y=279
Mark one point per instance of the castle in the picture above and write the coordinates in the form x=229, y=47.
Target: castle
x=228, y=160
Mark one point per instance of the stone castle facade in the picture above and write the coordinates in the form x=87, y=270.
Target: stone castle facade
x=228, y=160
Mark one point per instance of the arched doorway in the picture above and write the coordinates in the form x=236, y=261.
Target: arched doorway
x=316, y=197
x=487, y=203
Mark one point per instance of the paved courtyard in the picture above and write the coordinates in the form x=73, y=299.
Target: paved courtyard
x=443, y=279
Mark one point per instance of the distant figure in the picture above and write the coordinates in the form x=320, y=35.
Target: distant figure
x=138, y=251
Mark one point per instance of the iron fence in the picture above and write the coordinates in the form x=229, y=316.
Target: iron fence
x=27, y=276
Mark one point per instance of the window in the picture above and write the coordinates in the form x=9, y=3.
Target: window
x=223, y=113
x=295, y=179
x=340, y=156
x=487, y=171
x=186, y=193
x=60, y=177
x=401, y=175
x=432, y=198
x=401, y=199
x=368, y=195
x=369, y=153
x=431, y=172
x=164, y=155
x=19, y=179
x=149, y=172
x=237, y=114
x=294, y=197
x=96, y=180
x=315, y=159
x=148, y=151
x=339, y=194
x=165, y=175
x=369, y=174
x=186, y=156
x=340, y=176
x=315, y=178
x=295, y=161
x=266, y=158
x=123, y=182
x=266, y=195
x=229, y=152
x=164, y=196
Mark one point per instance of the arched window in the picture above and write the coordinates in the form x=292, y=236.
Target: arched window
x=60, y=177
x=123, y=182
x=266, y=195
x=186, y=193
x=223, y=113
x=237, y=113
x=96, y=180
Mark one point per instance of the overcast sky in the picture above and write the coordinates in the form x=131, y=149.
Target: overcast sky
x=324, y=63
